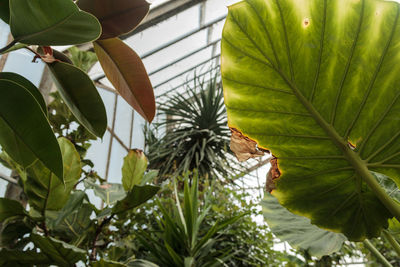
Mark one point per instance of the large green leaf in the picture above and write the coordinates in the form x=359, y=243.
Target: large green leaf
x=60, y=253
x=13, y=77
x=135, y=164
x=137, y=196
x=116, y=16
x=44, y=189
x=24, y=127
x=125, y=70
x=10, y=208
x=51, y=22
x=316, y=83
x=298, y=231
x=81, y=96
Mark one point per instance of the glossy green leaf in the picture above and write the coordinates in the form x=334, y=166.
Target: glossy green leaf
x=60, y=253
x=116, y=17
x=5, y=10
x=316, y=83
x=24, y=126
x=51, y=22
x=298, y=231
x=30, y=87
x=125, y=70
x=81, y=96
x=135, y=164
x=14, y=145
x=109, y=193
x=10, y=208
x=137, y=196
x=44, y=189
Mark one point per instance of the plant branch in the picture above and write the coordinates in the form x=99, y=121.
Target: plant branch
x=392, y=241
x=11, y=44
x=96, y=236
x=376, y=253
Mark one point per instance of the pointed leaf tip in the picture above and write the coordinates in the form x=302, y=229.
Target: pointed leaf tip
x=125, y=70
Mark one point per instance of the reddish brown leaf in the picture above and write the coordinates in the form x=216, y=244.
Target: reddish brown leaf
x=243, y=147
x=116, y=16
x=125, y=70
x=273, y=173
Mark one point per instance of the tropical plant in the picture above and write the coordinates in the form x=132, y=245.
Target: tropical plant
x=181, y=238
x=62, y=224
x=196, y=133
x=329, y=105
x=25, y=133
x=307, y=81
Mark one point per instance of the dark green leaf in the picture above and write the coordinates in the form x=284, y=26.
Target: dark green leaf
x=16, y=258
x=51, y=22
x=5, y=10
x=298, y=231
x=125, y=70
x=61, y=253
x=116, y=16
x=44, y=189
x=10, y=208
x=316, y=83
x=30, y=87
x=135, y=164
x=12, y=232
x=24, y=125
x=137, y=196
x=81, y=96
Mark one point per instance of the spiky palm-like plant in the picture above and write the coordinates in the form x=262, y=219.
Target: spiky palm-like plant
x=197, y=135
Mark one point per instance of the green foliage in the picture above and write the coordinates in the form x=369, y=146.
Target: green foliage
x=182, y=240
x=44, y=190
x=16, y=124
x=81, y=96
x=82, y=59
x=58, y=24
x=135, y=164
x=298, y=231
x=197, y=135
x=25, y=133
x=327, y=109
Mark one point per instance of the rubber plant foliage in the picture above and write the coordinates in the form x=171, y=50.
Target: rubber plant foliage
x=25, y=133
x=316, y=83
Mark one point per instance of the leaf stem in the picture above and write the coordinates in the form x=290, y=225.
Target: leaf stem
x=392, y=241
x=11, y=44
x=376, y=253
x=96, y=236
